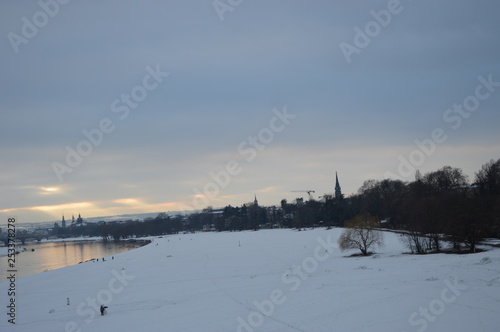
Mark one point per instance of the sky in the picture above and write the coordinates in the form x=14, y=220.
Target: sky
x=125, y=107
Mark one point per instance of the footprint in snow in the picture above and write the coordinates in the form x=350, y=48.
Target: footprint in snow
x=485, y=260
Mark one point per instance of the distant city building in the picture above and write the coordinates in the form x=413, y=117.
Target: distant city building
x=78, y=221
x=338, y=191
x=63, y=222
x=255, y=201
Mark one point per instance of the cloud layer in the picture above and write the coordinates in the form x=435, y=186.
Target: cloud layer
x=225, y=79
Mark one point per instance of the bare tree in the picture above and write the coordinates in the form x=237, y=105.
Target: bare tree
x=445, y=178
x=415, y=241
x=488, y=178
x=361, y=233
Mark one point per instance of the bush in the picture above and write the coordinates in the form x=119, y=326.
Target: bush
x=361, y=233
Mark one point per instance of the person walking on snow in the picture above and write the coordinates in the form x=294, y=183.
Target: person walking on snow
x=103, y=308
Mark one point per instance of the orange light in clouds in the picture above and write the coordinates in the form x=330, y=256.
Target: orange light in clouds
x=93, y=209
x=49, y=190
x=62, y=207
x=128, y=201
x=140, y=206
x=52, y=208
x=8, y=210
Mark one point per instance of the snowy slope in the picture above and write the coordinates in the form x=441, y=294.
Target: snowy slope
x=270, y=280
x=4, y=251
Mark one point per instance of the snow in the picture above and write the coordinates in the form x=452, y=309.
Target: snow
x=249, y=281
x=4, y=251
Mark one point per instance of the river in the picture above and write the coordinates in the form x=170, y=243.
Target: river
x=45, y=256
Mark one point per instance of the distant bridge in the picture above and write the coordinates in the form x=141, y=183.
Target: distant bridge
x=21, y=237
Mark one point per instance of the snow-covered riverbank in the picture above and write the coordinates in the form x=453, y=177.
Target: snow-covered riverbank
x=270, y=280
x=20, y=247
x=5, y=250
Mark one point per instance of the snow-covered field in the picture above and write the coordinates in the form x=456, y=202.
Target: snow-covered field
x=270, y=280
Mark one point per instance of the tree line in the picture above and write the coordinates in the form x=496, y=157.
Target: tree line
x=119, y=230
x=437, y=207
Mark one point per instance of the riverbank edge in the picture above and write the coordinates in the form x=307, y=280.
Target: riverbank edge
x=19, y=248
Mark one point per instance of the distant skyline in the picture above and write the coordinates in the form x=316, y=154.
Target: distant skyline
x=127, y=107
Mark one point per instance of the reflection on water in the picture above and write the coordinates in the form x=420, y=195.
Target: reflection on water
x=41, y=257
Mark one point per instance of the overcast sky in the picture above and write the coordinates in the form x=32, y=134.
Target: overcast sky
x=270, y=96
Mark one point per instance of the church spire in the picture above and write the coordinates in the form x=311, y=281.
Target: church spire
x=255, y=201
x=338, y=191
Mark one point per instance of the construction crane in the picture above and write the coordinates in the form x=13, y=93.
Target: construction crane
x=304, y=191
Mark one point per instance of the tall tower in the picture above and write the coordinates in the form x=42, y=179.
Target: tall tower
x=63, y=222
x=255, y=201
x=338, y=191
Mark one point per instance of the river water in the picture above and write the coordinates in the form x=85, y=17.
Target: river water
x=45, y=256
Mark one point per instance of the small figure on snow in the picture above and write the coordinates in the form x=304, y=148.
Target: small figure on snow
x=103, y=308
